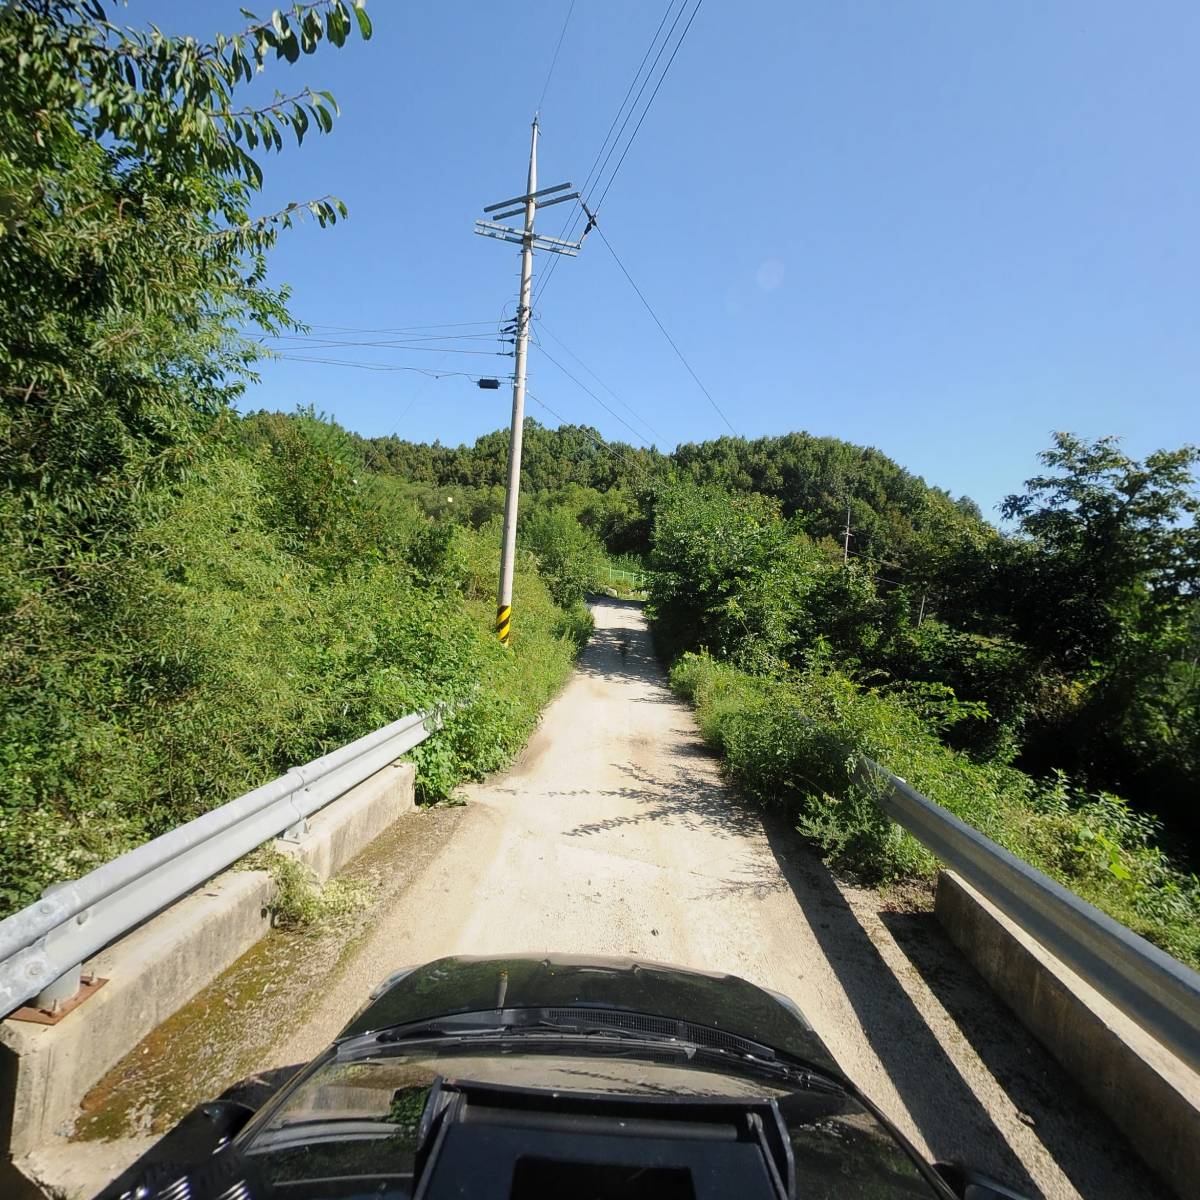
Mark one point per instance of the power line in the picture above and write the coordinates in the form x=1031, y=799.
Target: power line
x=572, y=220
x=401, y=328
x=554, y=59
x=641, y=90
x=330, y=345
x=583, y=386
x=362, y=366
x=600, y=442
x=632, y=136
x=574, y=217
x=321, y=339
x=665, y=334
x=628, y=408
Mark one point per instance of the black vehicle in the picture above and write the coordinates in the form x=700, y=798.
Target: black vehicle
x=567, y=1077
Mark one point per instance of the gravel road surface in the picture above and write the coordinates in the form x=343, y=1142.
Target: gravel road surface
x=616, y=834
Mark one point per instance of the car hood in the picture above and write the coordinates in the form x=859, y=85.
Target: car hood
x=465, y=984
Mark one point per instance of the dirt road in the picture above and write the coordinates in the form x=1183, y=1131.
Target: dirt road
x=615, y=834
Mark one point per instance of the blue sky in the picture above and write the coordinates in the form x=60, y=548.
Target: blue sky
x=940, y=229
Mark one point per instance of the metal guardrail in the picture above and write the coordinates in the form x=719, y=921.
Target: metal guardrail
x=43, y=946
x=1155, y=990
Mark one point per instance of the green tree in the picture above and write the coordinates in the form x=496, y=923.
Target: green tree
x=569, y=556
x=130, y=258
x=727, y=575
x=1119, y=551
x=1104, y=591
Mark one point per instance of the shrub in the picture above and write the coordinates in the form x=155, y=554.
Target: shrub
x=795, y=742
x=225, y=648
x=569, y=556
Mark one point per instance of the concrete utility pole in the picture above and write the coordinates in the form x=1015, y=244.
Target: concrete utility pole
x=846, y=542
x=516, y=436
x=528, y=241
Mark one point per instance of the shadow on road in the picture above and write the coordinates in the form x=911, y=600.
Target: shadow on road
x=1032, y=1080
x=949, y=1115
x=686, y=798
x=953, y=1120
x=616, y=652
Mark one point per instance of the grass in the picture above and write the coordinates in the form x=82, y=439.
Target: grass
x=302, y=900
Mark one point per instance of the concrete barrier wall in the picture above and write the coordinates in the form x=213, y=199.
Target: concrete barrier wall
x=1146, y=1091
x=46, y=1070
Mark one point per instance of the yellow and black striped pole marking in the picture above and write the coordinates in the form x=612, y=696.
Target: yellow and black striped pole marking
x=504, y=623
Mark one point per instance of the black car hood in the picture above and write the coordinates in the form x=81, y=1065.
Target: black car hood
x=725, y=1002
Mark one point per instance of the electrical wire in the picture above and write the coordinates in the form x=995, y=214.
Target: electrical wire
x=554, y=59
x=402, y=328
x=584, y=387
x=571, y=221
x=362, y=366
x=628, y=408
x=331, y=345
x=574, y=217
x=633, y=135
x=600, y=442
x=429, y=332
x=321, y=338
x=679, y=353
x=637, y=99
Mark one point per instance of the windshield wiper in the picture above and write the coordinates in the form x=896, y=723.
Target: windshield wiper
x=312, y=1130
x=751, y=1055
x=427, y=1029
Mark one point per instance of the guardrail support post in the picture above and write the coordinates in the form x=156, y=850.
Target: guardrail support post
x=295, y=833
x=66, y=987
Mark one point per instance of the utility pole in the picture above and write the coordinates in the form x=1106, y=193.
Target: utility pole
x=528, y=241
x=846, y=541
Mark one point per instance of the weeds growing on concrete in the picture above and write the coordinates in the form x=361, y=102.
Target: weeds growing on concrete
x=302, y=900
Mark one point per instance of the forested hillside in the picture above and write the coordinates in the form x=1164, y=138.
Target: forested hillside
x=1075, y=635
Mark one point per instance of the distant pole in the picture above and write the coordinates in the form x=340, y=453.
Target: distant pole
x=528, y=241
x=921, y=614
x=846, y=540
x=508, y=543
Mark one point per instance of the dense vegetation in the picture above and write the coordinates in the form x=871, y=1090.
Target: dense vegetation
x=799, y=662
x=1074, y=638
x=1026, y=680
x=192, y=602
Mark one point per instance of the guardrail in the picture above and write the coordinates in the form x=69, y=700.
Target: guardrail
x=1147, y=984
x=43, y=946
